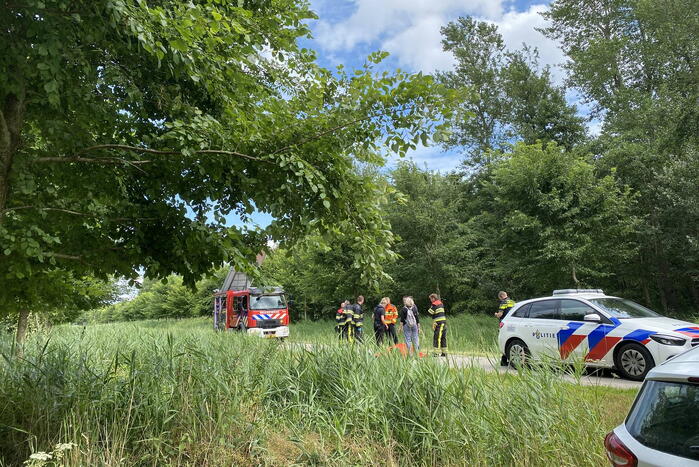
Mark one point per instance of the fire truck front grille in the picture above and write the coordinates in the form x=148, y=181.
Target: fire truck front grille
x=269, y=323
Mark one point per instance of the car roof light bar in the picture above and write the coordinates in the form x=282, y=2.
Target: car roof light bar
x=576, y=291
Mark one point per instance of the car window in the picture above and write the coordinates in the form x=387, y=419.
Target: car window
x=545, y=309
x=574, y=310
x=664, y=418
x=622, y=308
x=523, y=311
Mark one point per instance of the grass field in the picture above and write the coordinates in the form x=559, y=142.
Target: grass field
x=177, y=393
x=465, y=333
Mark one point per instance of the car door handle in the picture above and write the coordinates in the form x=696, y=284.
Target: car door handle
x=565, y=328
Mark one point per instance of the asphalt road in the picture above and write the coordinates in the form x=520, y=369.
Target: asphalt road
x=591, y=378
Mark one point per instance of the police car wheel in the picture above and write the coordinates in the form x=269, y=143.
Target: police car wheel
x=634, y=361
x=517, y=353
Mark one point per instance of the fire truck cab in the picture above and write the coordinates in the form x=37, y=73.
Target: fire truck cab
x=239, y=306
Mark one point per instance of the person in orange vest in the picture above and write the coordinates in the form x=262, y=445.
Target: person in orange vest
x=439, y=325
x=391, y=320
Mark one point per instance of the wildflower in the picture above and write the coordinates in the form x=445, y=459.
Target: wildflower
x=64, y=447
x=41, y=456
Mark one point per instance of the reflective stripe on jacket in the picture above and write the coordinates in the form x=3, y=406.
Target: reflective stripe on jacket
x=340, y=317
x=349, y=314
x=437, y=311
x=391, y=314
x=357, y=315
x=506, y=305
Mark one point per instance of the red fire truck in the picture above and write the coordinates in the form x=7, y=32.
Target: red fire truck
x=239, y=306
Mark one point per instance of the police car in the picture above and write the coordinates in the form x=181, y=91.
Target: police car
x=601, y=330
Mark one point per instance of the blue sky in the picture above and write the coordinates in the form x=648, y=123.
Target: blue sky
x=348, y=30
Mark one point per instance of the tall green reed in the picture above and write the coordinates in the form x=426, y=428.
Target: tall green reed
x=184, y=395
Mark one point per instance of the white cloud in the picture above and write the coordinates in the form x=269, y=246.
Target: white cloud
x=410, y=29
x=373, y=20
x=519, y=27
x=419, y=46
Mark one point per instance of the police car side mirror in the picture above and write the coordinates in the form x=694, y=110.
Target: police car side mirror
x=592, y=317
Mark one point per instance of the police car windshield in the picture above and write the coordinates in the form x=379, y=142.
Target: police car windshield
x=267, y=302
x=622, y=308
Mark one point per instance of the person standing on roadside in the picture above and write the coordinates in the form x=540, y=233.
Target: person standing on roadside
x=358, y=319
x=439, y=325
x=340, y=320
x=410, y=321
x=506, y=304
x=242, y=311
x=391, y=320
x=348, y=324
x=380, y=325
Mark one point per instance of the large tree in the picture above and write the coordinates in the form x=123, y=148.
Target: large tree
x=506, y=95
x=636, y=62
x=131, y=131
x=542, y=219
x=424, y=219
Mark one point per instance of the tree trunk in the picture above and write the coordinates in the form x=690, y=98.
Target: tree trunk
x=667, y=285
x=695, y=293
x=646, y=294
x=21, y=330
x=575, y=279
x=11, y=117
x=663, y=298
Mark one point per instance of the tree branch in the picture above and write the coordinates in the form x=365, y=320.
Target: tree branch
x=78, y=213
x=63, y=256
x=96, y=160
x=126, y=147
x=320, y=134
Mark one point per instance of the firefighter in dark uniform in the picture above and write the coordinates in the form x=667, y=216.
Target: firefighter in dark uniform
x=340, y=320
x=348, y=323
x=506, y=304
x=358, y=319
x=439, y=325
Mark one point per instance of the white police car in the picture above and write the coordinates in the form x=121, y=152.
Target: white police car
x=662, y=427
x=589, y=326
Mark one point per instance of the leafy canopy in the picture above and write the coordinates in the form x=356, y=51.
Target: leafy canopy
x=131, y=131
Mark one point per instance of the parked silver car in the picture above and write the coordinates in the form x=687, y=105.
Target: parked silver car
x=662, y=427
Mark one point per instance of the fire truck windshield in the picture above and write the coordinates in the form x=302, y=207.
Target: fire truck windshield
x=267, y=302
